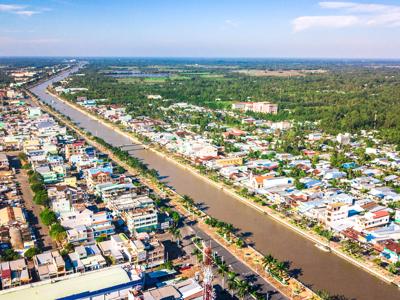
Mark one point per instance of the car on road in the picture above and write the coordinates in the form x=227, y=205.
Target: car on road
x=185, y=267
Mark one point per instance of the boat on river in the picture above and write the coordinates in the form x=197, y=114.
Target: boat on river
x=324, y=248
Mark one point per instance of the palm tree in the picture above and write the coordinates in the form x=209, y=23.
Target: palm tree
x=242, y=288
x=227, y=229
x=267, y=261
x=323, y=295
x=282, y=269
x=176, y=233
x=188, y=200
x=223, y=269
x=232, y=282
x=198, y=253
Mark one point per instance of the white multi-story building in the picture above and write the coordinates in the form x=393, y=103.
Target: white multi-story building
x=197, y=149
x=140, y=220
x=343, y=139
x=86, y=222
x=260, y=107
x=63, y=197
x=265, y=107
x=336, y=212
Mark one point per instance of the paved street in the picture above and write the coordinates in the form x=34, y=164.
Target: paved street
x=189, y=232
x=187, y=247
x=240, y=268
x=33, y=211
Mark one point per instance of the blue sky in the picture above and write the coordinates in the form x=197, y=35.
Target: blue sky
x=201, y=28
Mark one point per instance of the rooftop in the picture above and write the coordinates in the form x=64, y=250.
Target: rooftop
x=68, y=285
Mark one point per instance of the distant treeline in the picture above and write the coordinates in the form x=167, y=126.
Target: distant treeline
x=349, y=98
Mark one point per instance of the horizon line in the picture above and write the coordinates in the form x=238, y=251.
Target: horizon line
x=204, y=57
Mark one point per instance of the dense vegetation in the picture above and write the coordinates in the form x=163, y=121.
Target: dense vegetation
x=349, y=97
x=4, y=78
x=36, y=62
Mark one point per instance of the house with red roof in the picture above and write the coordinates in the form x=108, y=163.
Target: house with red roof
x=373, y=219
x=391, y=251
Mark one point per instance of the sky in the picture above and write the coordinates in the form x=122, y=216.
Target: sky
x=201, y=28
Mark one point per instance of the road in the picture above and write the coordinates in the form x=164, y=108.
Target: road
x=189, y=231
x=238, y=267
x=44, y=241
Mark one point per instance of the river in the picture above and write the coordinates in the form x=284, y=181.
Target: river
x=317, y=269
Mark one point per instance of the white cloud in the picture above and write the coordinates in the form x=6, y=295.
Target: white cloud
x=27, y=13
x=303, y=23
x=357, y=7
x=351, y=14
x=10, y=7
x=19, y=10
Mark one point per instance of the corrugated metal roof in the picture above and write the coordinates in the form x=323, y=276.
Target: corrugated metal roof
x=75, y=284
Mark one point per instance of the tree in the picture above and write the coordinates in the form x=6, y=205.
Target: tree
x=198, y=253
x=101, y=238
x=57, y=232
x=9, y=254
x=37, y=187
x=299, y=185
x=41, y=198
x=188, y=200
x=68, y=248
x=232, y=282
x=282, y=269
x=168, y=265
x=242, y=288
x=31, y=252
x=120, y=169
x=48, y=217
x=222, y=268
x=153, y=173
x=240, y=242
x=324, y=295
x=268, y=261
x=22, y=156
x=176, y=233
x=392, y=269
x=175, y=218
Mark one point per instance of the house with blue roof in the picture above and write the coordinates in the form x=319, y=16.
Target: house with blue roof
x=310, y=182
x=349, y=165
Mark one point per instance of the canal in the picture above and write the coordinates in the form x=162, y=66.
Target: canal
x=319, y=270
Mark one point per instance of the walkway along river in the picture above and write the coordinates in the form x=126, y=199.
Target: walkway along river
x=320, y=270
